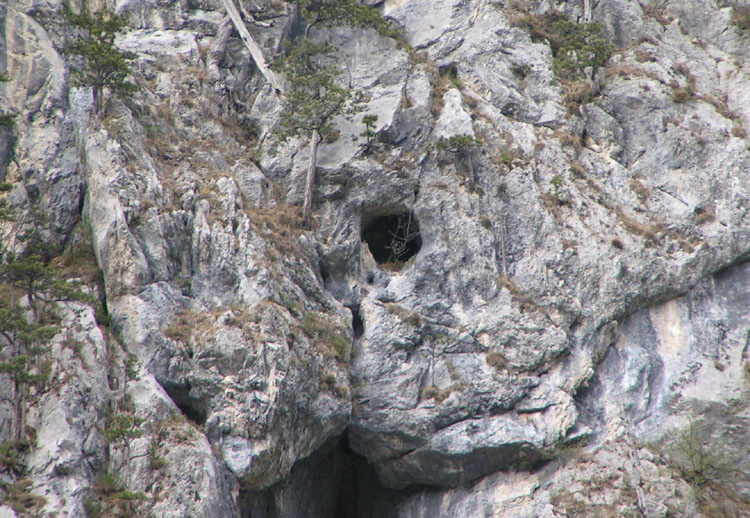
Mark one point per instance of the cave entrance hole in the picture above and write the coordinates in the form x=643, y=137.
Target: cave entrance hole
x=191, y=408
x=394, y=238
x=334, y=482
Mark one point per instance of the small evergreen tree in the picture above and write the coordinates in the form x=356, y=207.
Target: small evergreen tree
x=27, y=340
x=369, y=122
x=104, y=65
x=313, y=99
x=29, y=288
x=314, y=96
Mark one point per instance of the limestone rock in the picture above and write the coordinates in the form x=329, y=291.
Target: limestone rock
x=573, y=292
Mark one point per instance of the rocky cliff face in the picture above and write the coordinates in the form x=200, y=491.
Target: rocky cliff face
x=566, y=333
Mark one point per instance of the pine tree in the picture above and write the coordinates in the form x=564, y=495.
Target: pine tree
x=313, y=99
x=369, y=122
x=27, y=340
x=104, y=65
x=314, y=96
x=29, y=288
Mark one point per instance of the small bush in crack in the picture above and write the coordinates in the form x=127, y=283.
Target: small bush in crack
x=7, y=120
x=323, y=332
x=11, y=456
x=696, y=458
x=18, y=496
x=714, y=476
x=741, y=17
x=123, y=426
x=457, y=143
x=155, y=460
x=112, y=500
x=579, y=50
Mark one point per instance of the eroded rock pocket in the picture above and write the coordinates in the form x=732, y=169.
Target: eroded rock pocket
x=393, y=239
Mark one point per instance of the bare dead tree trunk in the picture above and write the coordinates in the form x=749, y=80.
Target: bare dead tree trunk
x=98, y=99
x=503, y=234
x=253, y=47
x=18, y=411
x=310, y=180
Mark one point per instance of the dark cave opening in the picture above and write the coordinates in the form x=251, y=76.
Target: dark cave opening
x=194, y=410
x=324, y=275
x=358, y=325
x=393, y=238
x=334, y=482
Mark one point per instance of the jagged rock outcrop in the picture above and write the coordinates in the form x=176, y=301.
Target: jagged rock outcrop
x=577, y=294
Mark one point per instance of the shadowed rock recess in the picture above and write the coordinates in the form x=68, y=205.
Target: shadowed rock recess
x=393, y=238
x=523, y=291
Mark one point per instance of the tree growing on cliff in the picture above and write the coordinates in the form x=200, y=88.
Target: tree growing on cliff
x=27, y=340
x=29, y=289
x=314, y=93
x=313, y=98
x=103, y=64
x=343, y=12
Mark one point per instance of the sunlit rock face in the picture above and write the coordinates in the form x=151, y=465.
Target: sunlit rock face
x=511, y=301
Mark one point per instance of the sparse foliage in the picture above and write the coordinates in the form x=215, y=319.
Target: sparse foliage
x=698, y=461
x=556, y=182
x=461, y=146
x=112, y=500
x=7, y=120
x=155, y=459
x=315, y=94
x=322, y=331
x=575, y=46
x=369, y=122
x=103, y=64
x=710, y=470
x=11, y=456
x=29, y=289
x=18, y=496
x=344, y=12
x=25, y=341
x=123, y=426
x=579, y=50
x=457, y=143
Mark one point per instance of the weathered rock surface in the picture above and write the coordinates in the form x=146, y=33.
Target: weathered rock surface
x=579, y=293
x=677, y=364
